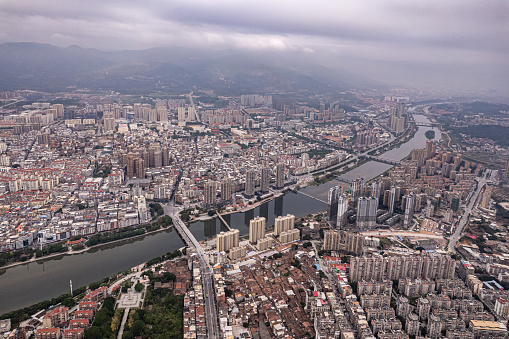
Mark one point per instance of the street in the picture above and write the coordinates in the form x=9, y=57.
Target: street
x=206, y=271
x=461, y=225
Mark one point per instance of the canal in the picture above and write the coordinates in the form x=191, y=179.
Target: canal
x=27, y=284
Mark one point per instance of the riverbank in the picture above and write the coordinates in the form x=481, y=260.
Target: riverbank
x=72, y=252
x=406, y=137
x=50, y=278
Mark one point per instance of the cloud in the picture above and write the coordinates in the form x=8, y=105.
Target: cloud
x=432, y=31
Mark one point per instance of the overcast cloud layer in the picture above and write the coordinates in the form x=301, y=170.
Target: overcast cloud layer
x=474, y=34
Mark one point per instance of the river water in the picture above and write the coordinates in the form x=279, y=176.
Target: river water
x=27, y=284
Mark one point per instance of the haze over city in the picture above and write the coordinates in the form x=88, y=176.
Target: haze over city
x=453, y=45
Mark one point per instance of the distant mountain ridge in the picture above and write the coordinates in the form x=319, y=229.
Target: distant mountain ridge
x=49, y=68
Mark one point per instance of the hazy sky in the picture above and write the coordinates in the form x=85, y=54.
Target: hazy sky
x=471, y=34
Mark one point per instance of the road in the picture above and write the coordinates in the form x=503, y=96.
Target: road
x=403, y=234
x=211, y=314
x=12, y=103
x=124, y=319
x=464, y=219
x=118, y=282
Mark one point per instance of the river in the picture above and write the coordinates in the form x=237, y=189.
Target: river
x=27, y=284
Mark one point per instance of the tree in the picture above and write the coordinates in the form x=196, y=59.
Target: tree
x=246, y=325
x=185, y=217
x=68, y=302
x=101, y=317
x=139, y=287
x=94, y=285
x=93, y=332
x=137, y=328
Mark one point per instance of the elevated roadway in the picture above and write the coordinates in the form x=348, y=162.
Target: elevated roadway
x=211, y=314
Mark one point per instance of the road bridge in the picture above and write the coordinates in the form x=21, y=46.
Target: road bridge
x=224, y=221
x=383, y=160
x=309, y=195
x=428, y=124
x=211, y=314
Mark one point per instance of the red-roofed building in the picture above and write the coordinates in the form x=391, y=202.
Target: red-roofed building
x=56, y=317
x=77, y=333
x=97, y=295
x=87, y=305
x=84, y=314
x=47, y=333
x=79, y=323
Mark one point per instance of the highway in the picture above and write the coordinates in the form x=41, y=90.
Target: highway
x=211, y=314
x=470, y=206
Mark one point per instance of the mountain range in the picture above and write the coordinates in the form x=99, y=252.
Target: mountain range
x=49, y=68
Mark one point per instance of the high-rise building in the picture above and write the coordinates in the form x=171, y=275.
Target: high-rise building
x=237, y=252
x=280, y=175
x=158, y=157
x=376, y=188
x=162, y=113
x=427, y=266
x=256, y=229
x=227, y=240
x=366, y=212
x=226, y=190
x=455, y=203
x=42, y=139
x=191, y=114
x=109, y=121
x=165, y=156
x=209, y=194
x=337, y=240
x=412, y=324
x=250, y=182
x=332, y=203
x=137, y=111
x=181, y=112
x=486, y=197
x=392, y=200
x=409, y=210
x=506, y=172
x=130, y=166
x=419, y=156
x=60, y=110
x=402, y=306
x=357, y=189
x=289, y=236
x=430, y=210
x=152, y=115
x=423, y=308
x=265, y=179
x=283, y=224
x=457, y=161
x=140, y=168
x=429, y=149
x=342, y=211
x=264, y=243
x=160, y=192
x=434, y=328
x=397, y=118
